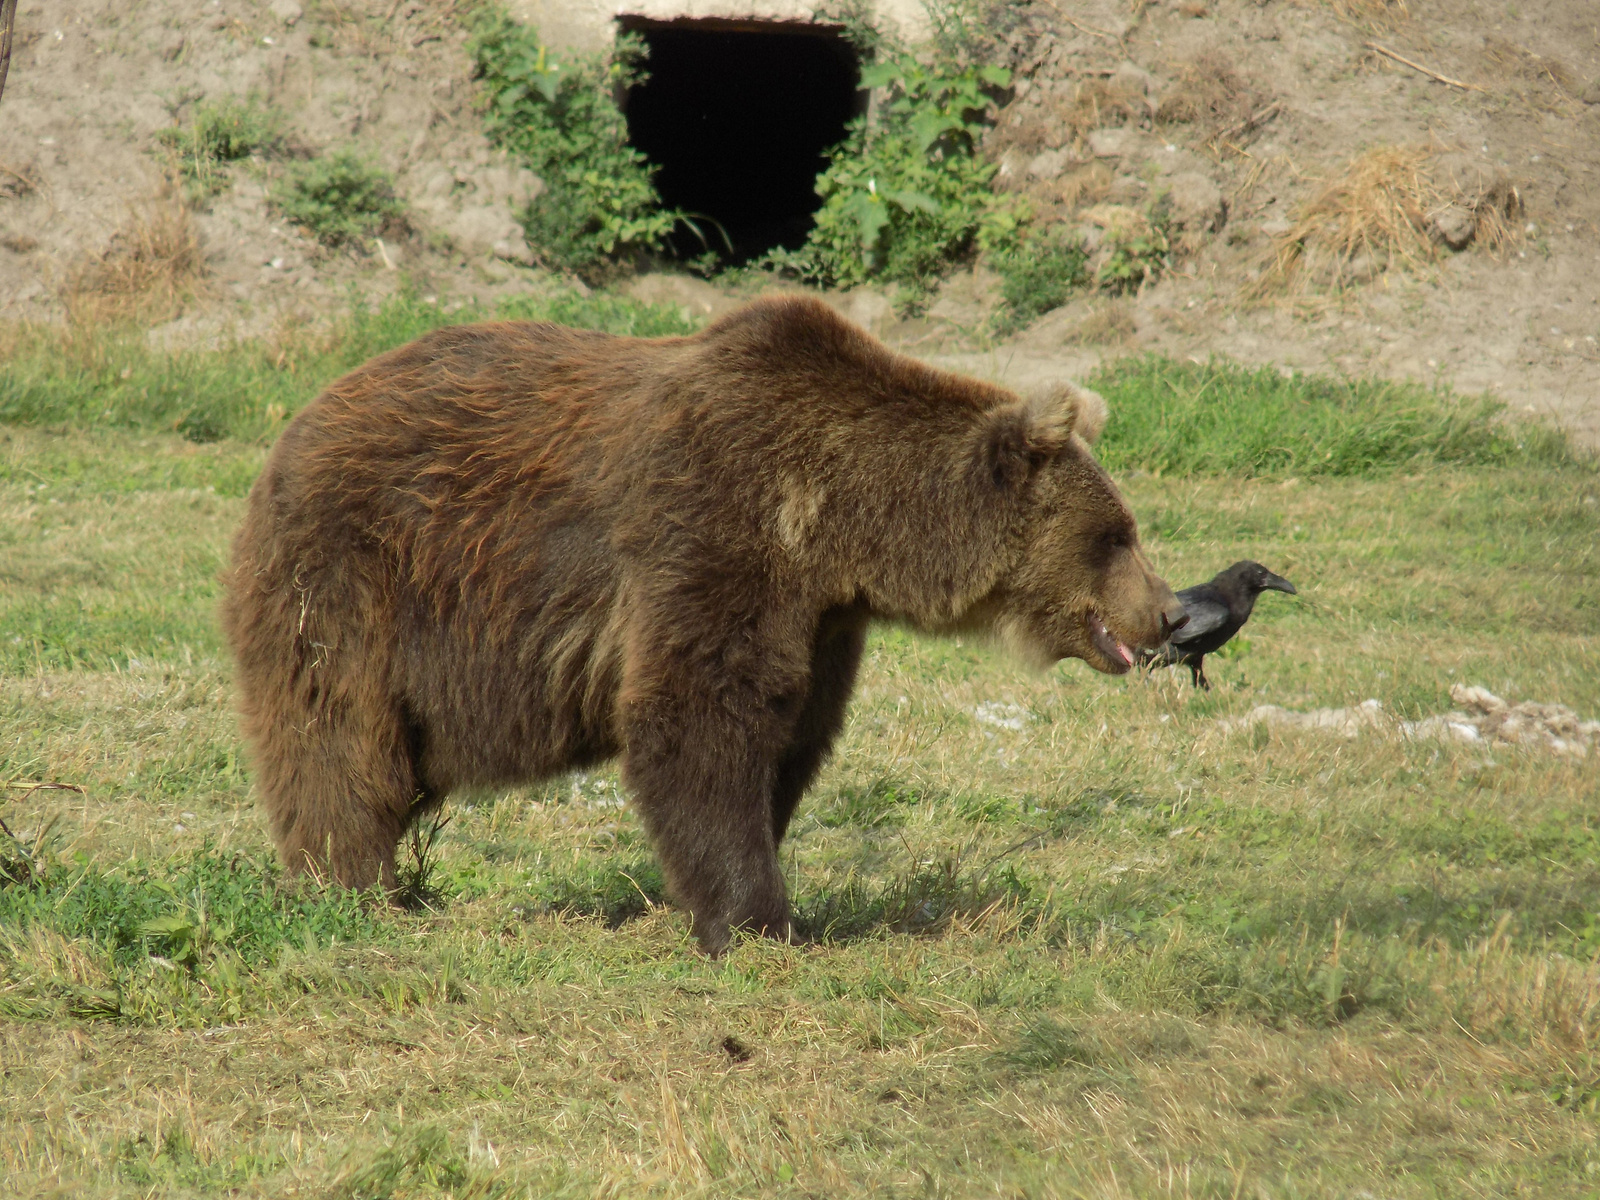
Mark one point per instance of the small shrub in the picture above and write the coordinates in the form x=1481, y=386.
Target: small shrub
x=1134, y=248
x=342, y=198
x=1036, y=277
x=907, y=194
x=220, y=133
x=25, y=861
x=415, y=886
x=559, y=119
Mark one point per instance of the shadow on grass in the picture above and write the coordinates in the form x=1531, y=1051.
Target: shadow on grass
x=613, y=892
x=925, y=900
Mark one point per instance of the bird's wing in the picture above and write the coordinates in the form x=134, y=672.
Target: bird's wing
x=1205, y=616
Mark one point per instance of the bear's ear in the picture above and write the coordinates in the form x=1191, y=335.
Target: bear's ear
x=1017, y=437
x=1082, y=411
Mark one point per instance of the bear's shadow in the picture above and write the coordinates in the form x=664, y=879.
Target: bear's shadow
x=924, y=900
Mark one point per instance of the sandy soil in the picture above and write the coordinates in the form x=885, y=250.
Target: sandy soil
x=93, y=82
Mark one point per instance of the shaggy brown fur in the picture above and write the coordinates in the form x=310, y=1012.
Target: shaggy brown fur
x=509, y=550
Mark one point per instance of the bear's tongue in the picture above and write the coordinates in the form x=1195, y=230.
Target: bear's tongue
x=1111, y=647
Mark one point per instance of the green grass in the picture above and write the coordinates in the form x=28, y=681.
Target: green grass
x=1118, y=952
x=111, y=378
x=1219, y=418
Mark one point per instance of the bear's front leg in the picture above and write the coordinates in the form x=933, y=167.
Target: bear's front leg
x=701, y=769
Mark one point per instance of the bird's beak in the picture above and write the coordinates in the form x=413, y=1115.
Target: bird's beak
x=1280, y=584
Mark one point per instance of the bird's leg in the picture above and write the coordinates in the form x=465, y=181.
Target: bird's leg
x=1198, y=670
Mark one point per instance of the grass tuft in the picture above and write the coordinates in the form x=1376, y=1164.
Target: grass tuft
x=188, y=909
x=151, y=266
x=1380, y=214
x=614, y=892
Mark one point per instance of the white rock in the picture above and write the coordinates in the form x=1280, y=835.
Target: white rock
x=1002, y=716
x=1048, y=164
x=1111, y=143
x=478, y=228
x=514, y=249
x=1477, y=699
x=1196, y=202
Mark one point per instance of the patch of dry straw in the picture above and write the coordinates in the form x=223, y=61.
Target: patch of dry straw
x=1372, y=14
x=151, y=266
x=1539, y=81
x=1211, y=92
x=1379, y=214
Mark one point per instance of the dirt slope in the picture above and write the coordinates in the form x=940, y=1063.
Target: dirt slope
x=1238, y=112
x=92, y=83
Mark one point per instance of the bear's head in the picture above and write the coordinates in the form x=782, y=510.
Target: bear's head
x=1078, y=585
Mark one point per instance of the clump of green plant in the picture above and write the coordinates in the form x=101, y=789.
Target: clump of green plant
x=1134, y=247
x=220, y=133
x=342, y=198
x=24, y=861
x=906, y=194
x=559, y=119
x=1036, y=276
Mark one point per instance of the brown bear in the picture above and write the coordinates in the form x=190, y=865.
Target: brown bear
x=509, y=550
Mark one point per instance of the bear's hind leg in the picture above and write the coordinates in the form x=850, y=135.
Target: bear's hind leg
x=339, y=788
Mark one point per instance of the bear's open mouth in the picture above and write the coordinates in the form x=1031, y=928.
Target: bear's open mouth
x=1117, y=655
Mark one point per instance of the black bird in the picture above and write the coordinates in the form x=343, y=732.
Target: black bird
x=1217, y=610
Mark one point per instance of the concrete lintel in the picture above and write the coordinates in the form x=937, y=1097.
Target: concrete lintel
x=588, y=26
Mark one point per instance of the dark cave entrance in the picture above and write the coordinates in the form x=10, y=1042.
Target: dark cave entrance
x=739, y=116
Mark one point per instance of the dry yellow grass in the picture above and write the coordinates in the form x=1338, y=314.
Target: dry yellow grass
x=1540, y=81
x=1109, y=324
x=1370, y=14
x=152, y=265
x=1211, y=92
x=1066, y=115
x=1380, y=214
